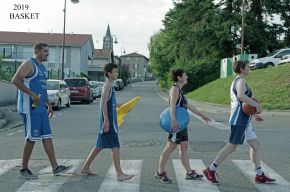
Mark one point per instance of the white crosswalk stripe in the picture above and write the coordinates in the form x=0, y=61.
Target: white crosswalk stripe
x=192, y=185
x=110, y=183
x=2, y=168
x=47, y=182
x=281, y=184
x=6, y=166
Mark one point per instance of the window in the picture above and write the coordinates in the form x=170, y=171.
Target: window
x=7, y=52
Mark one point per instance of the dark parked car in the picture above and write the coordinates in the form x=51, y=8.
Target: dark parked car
x=79, y=89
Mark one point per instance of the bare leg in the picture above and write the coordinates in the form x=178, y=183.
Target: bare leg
x=48, y=147
x=116, y=159
x=224, y=153
x=254, y=152
x=184, y=156
x=169, y=148
x=86, y=167
x=27, y=151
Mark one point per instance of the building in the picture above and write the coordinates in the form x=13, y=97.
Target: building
x=102, y=57
x=138, y=65
x=79, y=49
x=95, y=69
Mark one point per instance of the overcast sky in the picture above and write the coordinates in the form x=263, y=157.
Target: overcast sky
x=132, y=21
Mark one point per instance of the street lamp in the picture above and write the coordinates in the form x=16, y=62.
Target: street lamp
x=124, y=51
x=63, y=38
x=116, y=41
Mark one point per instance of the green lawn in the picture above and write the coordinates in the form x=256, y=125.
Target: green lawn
x=271, y=87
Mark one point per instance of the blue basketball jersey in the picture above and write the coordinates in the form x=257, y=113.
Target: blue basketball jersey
x=37, y=83
x=238, y=117
x=112, y=112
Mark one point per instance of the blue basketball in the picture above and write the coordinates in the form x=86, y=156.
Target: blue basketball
x=182, y=119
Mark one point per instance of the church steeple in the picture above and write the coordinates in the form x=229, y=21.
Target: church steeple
x=108, y=32
x=108, y=40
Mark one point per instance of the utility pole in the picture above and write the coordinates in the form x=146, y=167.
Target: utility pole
x=243, y=25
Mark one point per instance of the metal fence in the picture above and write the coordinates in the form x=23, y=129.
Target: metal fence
x=8, y=69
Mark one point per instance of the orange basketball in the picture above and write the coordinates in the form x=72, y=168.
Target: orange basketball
x=248, y=109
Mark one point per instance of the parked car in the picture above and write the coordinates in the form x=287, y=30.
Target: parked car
x=58, y=93
x=284, y=59
x=271, y=60
x=94, y=87
x=118, y=84
x=100, y=85
x=121, y=83
x=79, y=89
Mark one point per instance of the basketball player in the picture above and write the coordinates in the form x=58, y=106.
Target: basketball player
x=177, y=98
x=30, y=79
x=108, y=126
x=241, y=126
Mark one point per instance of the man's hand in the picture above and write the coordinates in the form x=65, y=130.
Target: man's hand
x=36, y=99
x=106, y=126
x=50, y=112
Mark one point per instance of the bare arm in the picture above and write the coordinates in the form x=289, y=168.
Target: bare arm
x=197, y=112
x=25, y=70
x=174, y=93
x=50, y=111
x=105, y=95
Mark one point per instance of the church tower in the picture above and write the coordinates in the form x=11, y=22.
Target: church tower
x=108, y=40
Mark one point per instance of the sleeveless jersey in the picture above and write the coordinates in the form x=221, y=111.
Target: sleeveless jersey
x=238, y=117
x=181, y=101
x=112, y=113
x=37, y=83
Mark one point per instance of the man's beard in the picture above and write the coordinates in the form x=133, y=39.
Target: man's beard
x=44, y=58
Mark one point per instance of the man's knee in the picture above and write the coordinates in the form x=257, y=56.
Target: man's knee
x=29, y=141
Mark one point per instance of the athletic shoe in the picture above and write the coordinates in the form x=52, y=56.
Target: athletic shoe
x=26, y=173
x=211, y=176
x=163, y=177
x=61, y=169
x=263, y=179
x=193, y=175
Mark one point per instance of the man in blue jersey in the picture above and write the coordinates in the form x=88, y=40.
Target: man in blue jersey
x=30, y=79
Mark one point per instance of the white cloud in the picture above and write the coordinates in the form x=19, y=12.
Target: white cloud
x=132, y=21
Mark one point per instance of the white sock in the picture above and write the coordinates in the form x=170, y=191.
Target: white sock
x=259, y=171
x=213, y=167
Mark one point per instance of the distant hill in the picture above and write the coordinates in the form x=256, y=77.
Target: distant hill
x=270, y=86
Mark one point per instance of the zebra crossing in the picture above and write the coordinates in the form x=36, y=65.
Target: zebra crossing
x=47, y=182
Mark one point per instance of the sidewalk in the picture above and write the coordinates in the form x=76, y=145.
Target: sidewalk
x=223, y=109
x=9, y=118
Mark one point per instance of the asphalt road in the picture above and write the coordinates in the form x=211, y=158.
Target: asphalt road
x=142, y=140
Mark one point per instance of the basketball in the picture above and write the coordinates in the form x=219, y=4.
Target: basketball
x=248, y=109
x=182, y=119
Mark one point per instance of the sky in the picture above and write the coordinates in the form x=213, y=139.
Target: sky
x=133, y=22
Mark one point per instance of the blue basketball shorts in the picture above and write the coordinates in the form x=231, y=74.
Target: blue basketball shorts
x=37, y=126
x=240, y=133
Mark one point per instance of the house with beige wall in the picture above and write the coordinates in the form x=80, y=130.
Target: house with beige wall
x=138, y=65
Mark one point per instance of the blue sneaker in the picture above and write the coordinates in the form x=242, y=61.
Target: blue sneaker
x=26, y=173
x=61, y=169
